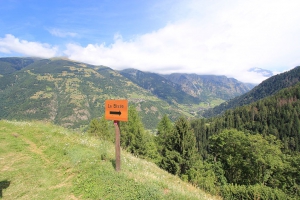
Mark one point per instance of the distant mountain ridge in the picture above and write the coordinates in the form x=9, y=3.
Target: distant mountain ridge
x=159, y=86
x=187, y=88
x=267, y=88
x=209, y=86
x=13, y=64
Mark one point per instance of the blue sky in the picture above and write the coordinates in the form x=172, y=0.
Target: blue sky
x=165, y=36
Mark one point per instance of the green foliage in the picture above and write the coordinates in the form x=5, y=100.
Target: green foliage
x=200, y=130
x=257, y=191
x=244, y=159
x=11, y=64
x=266, y=88
x=101, y=129
x=276, y=115
x=135, y=139
x=164, y=128
x=179, y=152
x=208, y=176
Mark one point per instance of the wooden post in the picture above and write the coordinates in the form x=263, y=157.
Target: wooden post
x=118, y=148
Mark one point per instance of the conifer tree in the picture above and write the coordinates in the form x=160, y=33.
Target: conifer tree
x=135, y=139
x=164, y=128
x=179, y=153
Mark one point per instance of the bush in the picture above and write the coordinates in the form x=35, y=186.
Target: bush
x=256, y=192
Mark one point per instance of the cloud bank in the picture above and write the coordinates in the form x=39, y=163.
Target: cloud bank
x=227, y=41
x=10, y=44
x=203, y=37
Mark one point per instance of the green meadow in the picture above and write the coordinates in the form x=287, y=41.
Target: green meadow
x=39, y=160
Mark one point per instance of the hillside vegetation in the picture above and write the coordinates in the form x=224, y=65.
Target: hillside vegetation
x=159, y=86
x=70, y=93
x=209, y=87
x=43, y=161
x=256, y=147
x=265, y=89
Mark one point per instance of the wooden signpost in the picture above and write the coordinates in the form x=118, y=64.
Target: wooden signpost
x=117, y=110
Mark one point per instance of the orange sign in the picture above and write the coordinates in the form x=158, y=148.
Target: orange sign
x=116, y=110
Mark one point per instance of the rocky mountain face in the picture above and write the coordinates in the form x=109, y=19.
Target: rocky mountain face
x=206, y=87
x=160, y=86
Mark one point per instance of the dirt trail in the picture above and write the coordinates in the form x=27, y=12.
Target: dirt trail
x=34, y=149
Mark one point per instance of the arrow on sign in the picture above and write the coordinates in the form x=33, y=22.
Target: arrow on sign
x=115, y=112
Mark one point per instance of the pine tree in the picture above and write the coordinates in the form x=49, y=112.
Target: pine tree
x=164, y=128
x=200, y=131
x=179, y=153
x=135, y=139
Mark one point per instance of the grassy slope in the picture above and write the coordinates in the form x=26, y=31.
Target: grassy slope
x=43, y=161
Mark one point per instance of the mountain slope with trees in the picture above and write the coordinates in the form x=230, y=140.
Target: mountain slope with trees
x=207, y=87
x=246, y=153
x=266, y=88
x=70, y=93
x=159, y=86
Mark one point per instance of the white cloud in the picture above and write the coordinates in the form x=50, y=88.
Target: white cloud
x=60, y=33
x=226, y=39
x=10, y=44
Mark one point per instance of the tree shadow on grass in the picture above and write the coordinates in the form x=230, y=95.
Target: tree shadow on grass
x=3, y=185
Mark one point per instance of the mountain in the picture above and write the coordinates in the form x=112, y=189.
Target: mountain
x=207, y=87
x=10, y=65
x=268, y=87
x=191, y=91
x=70, y=93
x=159, y=86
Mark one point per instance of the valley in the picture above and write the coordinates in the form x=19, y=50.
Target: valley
x=71, y=93
x=220, y=135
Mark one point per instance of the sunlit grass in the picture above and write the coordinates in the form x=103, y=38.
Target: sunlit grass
x=43, y=161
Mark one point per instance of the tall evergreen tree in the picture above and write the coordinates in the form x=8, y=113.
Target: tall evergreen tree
x=179, y=153
x=135, y=139
x=200, y=132
x=164, y=128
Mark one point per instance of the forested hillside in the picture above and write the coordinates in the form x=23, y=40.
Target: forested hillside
x=159, y=86
x=251, y=152
x=266, y=88
x=70, y=93
x=10, y=65
x=257, y=143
